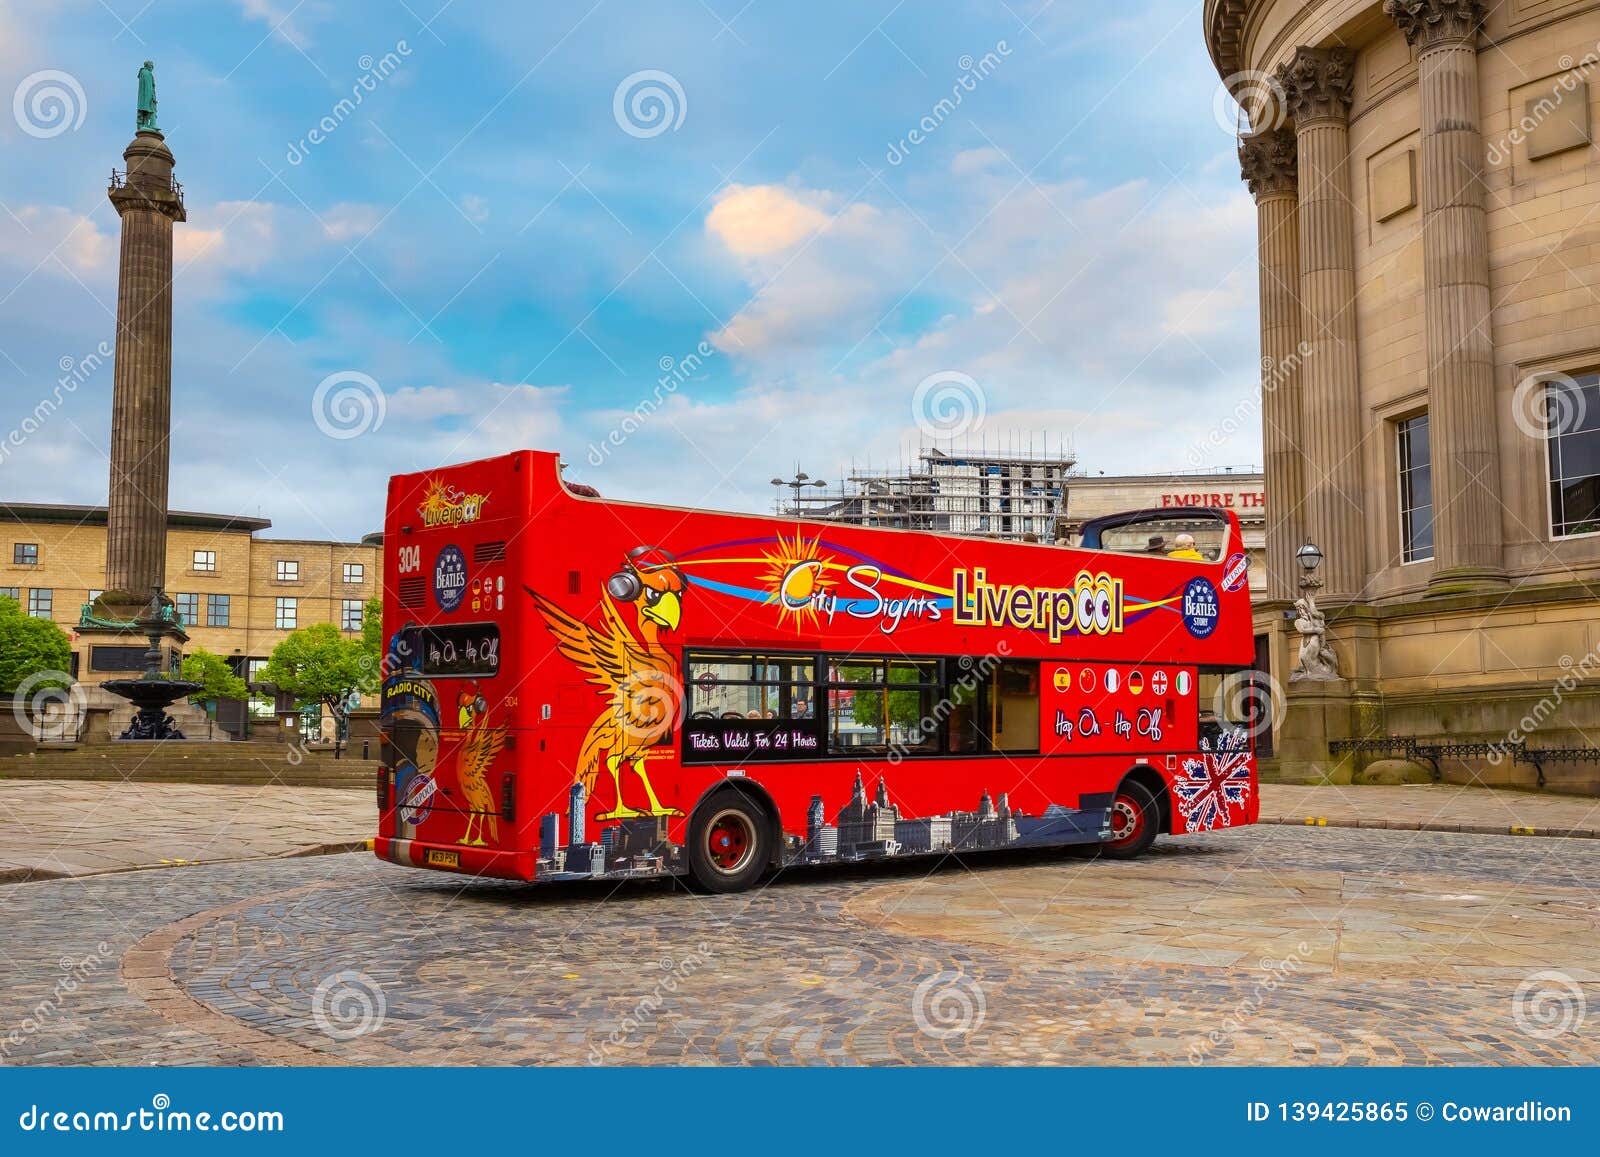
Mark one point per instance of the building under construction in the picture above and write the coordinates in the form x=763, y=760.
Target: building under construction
x=1015, y=494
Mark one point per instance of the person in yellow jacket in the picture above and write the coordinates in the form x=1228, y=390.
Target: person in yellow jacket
x=1183, y=547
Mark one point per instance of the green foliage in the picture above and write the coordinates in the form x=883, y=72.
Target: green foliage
x=318, y=665
x=905, y=707
x=29, y=646
x=372, y=642
x=216, y=678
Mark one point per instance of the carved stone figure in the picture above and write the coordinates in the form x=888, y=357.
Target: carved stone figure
x=1317, y=661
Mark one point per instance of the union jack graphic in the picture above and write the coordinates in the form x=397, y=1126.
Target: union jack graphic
x=1214, y=781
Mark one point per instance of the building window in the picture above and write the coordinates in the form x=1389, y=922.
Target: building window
x=350, y=615
x=1572, y=424
x=11, y=593
x=188, y=608
x=354, y=572
x=217, y=610
x=40, y=602
x=286, y=615
x=25, y=554
x=1416, y=489
x=288, y=570
x=205, y=560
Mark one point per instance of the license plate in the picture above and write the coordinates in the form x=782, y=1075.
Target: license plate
x=442, y=859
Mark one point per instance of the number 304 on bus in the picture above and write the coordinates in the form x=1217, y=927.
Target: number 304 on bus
x=578, y=688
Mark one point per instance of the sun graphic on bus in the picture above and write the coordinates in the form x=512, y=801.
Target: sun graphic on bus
x=795, y=575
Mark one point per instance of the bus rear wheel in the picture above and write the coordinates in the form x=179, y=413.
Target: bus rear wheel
x=728, y=847
x=1134, y=818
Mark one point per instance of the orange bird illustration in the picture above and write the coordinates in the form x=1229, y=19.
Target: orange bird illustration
x=480, y=744
x=637, y=677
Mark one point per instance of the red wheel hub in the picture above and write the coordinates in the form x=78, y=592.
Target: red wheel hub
x=728, y=842
x=1127, y=819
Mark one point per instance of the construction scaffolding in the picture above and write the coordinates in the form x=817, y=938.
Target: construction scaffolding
x=1018, y=493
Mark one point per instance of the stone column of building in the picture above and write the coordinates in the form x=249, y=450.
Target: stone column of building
x=1317, y=86
x=1467, y=533
x=1267, y=162
x=136, y=533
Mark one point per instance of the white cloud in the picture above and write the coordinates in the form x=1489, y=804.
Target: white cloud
x=349, y=221
x=40, y=235
x=760, y=221
x=236, y=235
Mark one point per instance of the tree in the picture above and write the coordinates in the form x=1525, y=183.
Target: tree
x=31, y=647
x=216, y=678
x=372, y=642
x=318, y=666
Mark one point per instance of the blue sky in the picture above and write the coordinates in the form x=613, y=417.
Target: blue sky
x=485, y=241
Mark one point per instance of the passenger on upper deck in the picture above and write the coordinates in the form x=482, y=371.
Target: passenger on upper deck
x=1183, y=547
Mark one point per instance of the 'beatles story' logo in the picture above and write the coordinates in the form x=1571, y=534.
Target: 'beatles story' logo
x=446, y=505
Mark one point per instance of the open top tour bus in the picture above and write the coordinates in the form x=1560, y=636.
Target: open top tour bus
x=577, y=687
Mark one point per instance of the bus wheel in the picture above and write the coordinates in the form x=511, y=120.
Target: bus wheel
x=727, y=844
x=1133, y=821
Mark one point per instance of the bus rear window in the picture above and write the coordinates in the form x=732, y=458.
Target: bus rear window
x=459, y=650
x=1162, y=534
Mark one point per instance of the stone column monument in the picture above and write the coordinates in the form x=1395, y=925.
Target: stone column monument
x=134, y=605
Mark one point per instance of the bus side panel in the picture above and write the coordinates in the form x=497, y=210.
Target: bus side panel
x=1214, y=790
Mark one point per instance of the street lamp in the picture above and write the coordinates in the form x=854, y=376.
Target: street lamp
x=1309, y=557
x=798, y=483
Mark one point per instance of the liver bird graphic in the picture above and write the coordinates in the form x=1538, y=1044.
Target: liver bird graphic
x=637, y=677
x=480, y=744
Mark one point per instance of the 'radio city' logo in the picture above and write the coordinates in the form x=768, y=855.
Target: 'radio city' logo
x=1200, y=608
x=1235, y=572
x=450, y=578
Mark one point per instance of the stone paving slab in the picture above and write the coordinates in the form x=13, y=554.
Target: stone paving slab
x=52, y=828
x=74, y=828
x=1274, y=945
x=1433, y=808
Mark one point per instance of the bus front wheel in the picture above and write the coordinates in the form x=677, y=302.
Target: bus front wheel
x=728, y=843
x=1134, y=819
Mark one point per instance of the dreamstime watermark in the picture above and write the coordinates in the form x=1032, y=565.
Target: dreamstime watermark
x=949, y=1004
x=1548, y=1004
x=1249, y=701
x=649, y=102
x=348, y=1004
x=973, y=73
x=74, y=372
x=948, y=404
x=1574, y=673
x=1573, y=79
x=48, y=103
x=1547, y=404
x=348, y=404
x=674, y=372
x=46, y=697
x=1247, y=413
x=1272, y=974
x=974, y=673
x=74, y=972
x=1246, y=92
x=647, y=1012
x=373, y=73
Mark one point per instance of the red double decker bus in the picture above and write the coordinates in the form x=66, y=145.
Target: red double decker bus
x=579, y=687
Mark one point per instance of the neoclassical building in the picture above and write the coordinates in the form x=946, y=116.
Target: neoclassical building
x=1428, y=203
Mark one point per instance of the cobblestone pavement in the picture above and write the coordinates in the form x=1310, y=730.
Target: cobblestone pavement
x=1276, y=945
